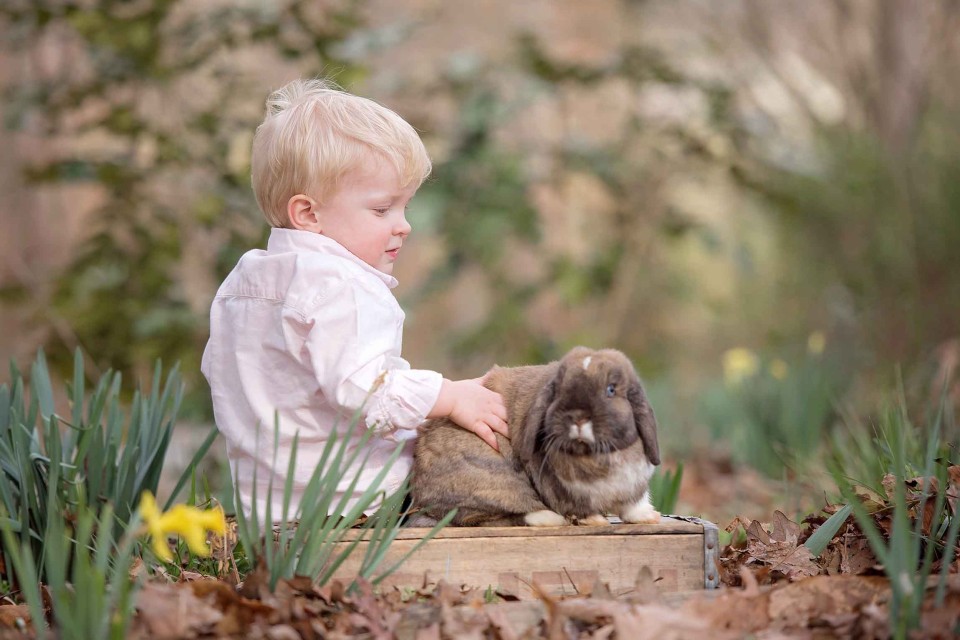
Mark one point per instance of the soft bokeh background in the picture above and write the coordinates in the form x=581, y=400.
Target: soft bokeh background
x=758, y=202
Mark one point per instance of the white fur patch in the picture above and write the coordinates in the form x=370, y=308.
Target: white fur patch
x=544, y=518
x=642, y=512
x=620, y=485
x=594, y=520
x=586, y=362
x=582, y=432
x=586, y=431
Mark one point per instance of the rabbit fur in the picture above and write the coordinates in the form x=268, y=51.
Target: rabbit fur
x=583, y=443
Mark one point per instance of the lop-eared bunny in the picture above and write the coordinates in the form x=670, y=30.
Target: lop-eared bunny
x=583, y=442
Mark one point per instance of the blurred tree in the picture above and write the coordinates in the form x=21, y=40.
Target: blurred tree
x=557, y=187
x=866, y=198
x=156, y=101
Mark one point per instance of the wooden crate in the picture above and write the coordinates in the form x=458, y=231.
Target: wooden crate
x=681, y=553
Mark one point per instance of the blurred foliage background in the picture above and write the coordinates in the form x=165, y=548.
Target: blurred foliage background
x=758, y=202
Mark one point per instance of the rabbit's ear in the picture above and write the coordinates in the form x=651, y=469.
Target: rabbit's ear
x=645, y=420
x=526, y=444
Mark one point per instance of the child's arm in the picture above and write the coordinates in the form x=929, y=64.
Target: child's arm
x=474, y=407
x=354, y=355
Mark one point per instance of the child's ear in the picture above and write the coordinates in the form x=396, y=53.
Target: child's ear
x=302, y=212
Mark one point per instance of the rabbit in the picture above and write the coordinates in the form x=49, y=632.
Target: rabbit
x=583, y=443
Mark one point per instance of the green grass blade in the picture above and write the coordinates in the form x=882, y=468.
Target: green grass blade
x=384, y=532
x=817, y=542
x=426, y=538
x=75, y=394
x=269, y=547
x=950, y=541
x=40, y=387
x=6, y=403
x=336, y=534
x=324, y=567
x=247, y=529
x=27, y=575
x=191, y=467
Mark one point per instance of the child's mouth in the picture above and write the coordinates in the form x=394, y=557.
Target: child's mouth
x=393, y=253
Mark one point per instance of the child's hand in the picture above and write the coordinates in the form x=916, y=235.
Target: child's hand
x=473, y=407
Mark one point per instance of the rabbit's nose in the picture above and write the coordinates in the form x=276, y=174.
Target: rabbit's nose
x=582, y=431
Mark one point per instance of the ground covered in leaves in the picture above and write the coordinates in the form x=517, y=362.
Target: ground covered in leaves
x=772, y=587
x=819, y=606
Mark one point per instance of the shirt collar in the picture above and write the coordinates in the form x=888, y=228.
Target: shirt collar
x=287, y=240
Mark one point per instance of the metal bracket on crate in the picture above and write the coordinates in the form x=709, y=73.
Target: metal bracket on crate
x=711, y=550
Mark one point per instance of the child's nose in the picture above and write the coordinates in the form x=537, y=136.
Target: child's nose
x=403, y=227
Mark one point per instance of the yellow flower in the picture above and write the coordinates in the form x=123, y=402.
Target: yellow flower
x=816, y=342
x=190, y=523
x=779, y=369
x=738, y=365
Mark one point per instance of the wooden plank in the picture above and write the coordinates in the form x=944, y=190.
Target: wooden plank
x=559, y=561
x=665, y=526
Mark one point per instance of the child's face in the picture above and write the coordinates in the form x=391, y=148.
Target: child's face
x=367, y=214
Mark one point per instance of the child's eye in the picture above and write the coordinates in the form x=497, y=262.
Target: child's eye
x=381, y=210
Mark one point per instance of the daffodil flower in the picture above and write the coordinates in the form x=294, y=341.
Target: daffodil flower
x=816, y=342
x=779, y=369
x=738, y=365
x=190, y=523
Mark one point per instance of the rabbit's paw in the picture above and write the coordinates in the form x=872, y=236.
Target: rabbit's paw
x=544, y=518
x=641, y=513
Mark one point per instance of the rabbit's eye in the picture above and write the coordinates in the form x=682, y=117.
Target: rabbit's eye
x=611, y=390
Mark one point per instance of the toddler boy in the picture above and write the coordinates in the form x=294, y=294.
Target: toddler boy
x=308, y=329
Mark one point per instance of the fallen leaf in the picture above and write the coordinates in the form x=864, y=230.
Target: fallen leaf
x=282, y=632
x=300, y=584
x=257, y=582
x=191, y=576
x=430, y=633
x=464, y=622
x=796, y=604
x=756, y=533
x=781, y=553
x=856, y=555
x=785, y=529
x=14, y=615
x=728, y=613
x=238, y=612
x=943, y=621
x=515, y=619
x=644, y=587
x=750, y=587
x=173, y=611
x=872, y=501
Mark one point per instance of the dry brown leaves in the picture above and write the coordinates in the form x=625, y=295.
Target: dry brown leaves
x=775, y=551
x=774, y=588
x=14, y=616
x=773, y=556
x=843, y=589
x=819, y=606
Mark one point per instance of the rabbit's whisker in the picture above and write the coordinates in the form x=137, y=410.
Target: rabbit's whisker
x=551, y=442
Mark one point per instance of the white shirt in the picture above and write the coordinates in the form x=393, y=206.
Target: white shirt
x=303, y=331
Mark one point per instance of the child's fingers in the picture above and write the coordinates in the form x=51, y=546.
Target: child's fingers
x=499, y=425
x=499, y=409
x=486, y=434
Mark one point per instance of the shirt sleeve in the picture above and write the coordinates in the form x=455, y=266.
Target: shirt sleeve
x=353, y=345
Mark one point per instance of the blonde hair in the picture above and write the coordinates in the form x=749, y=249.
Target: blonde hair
x=314, y=133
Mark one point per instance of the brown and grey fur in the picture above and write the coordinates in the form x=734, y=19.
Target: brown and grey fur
x=583, y=442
